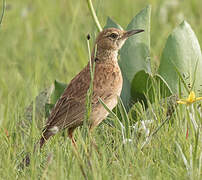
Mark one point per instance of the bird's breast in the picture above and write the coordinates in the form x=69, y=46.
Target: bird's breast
x=108, y=77
x=107, y=85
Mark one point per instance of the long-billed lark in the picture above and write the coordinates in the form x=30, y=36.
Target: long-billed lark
x=70, y=109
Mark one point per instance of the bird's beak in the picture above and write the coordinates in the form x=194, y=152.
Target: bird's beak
x=132, y=32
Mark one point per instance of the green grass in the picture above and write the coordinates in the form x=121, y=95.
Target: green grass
x=46, y=40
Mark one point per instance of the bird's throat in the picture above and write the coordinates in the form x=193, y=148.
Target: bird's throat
x=106, y=55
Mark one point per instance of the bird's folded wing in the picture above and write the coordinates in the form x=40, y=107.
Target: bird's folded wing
x=67, y=112
x=70, y=108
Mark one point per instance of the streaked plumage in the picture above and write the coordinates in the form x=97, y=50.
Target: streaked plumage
x=70, y=109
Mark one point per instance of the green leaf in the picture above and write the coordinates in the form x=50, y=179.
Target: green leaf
x=48, y=108
x=135, y=52
x=125, y=93
x=182, y=54
x=134, y=55
x=59, y=88
x=110, y=23
x=145, y=84
x=44, y=102
x=140, y=86
x=40, y=108
x=162, y=86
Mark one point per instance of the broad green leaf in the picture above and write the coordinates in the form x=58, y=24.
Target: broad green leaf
x=126, y=91
x=163, y=87
x=140, y=86
x=135, y=52
x=40, y=105
x=145, y=84
x=48, y=108
x=110, y=23
x=134, y=55
x=59, y=88
x=45, y=101
x=181, y=55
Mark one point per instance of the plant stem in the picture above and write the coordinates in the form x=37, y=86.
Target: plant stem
x=90, y=6
x=3, y=11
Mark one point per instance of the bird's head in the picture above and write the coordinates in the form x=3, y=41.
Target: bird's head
x=113, y=39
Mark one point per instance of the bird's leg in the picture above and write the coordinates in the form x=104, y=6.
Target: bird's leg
x=95, y=145
x=70, y=135
x=93, y=140
x=75, y=151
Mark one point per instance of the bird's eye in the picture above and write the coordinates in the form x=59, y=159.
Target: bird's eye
x=113, y=35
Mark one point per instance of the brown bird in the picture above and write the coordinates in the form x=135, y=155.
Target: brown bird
x=70, y=109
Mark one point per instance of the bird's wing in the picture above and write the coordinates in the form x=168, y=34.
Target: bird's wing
x=70, y=108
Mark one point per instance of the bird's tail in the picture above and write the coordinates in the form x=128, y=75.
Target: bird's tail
x=45, y=136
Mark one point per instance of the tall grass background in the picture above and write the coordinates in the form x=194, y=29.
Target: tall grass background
x=46, y=40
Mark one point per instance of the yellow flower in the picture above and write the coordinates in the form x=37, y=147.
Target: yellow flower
x=191, y=99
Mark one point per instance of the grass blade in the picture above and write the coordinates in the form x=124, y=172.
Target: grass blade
x=3, y=11
x=184, y=158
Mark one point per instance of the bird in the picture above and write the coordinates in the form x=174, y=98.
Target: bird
x=69, y=111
